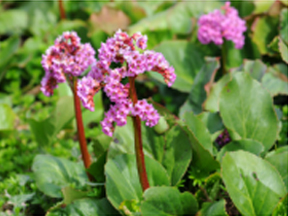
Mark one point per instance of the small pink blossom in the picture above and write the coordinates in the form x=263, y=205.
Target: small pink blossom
x=216, y=26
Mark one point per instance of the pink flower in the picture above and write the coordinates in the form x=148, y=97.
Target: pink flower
x=66, y=57
x=216, y=26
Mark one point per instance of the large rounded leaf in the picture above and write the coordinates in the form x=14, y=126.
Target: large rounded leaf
x=53, y=173
x=275, y=81
x=199, y=130
x=178, y=154
x=251, y=146
x=253, y=184
x=279, y=159
x=167, y=201
x=247, y=109
x=122, y=181
x=186, y=58
x=201, y=86
x=91, y=207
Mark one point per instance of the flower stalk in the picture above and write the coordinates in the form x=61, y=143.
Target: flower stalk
x=138, y=139
x=80, y=129
x=61, y=9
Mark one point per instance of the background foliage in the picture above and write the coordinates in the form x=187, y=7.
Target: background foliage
x=190, y=173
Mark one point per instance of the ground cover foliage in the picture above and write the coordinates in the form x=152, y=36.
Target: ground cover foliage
x=220, y=147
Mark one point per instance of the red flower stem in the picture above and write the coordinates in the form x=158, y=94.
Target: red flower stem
x=61, y=9
x=80, y=129
x=138, y=140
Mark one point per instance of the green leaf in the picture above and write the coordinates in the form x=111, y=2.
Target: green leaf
x=247, y=109
x=202, y=84
x=97, y=115
x=256, y=68
x=251, y=146
x=199, y=130
x=254, y=186
x=8, y=49
x=203, y=162
x=177, y=155
x=265, y=29
x=279, y=161
x=283, y=48
x=262, y=6
x=96, y=169
x=168, y=201
x=46, y=130
x=282, y=207
x=212, y=121
x=89, y=206
x=122, y=181
x=13, y=21
x=284, y=25
x=18, y=200
x=187, y=60
x=275, y=81
x=212, y=102
x=52, y=174
x=213, y=209
x=161, y=126
x=71, y=194
x=177, y=18
x=174, y=155
x=7, y=117
x=101, y=144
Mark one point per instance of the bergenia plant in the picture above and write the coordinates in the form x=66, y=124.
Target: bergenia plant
x=217, y=26
x=64, y=62
x=129, y=53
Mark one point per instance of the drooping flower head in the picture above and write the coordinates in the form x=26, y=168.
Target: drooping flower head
x=67, y=57
x=216, y=26
x=129, y=50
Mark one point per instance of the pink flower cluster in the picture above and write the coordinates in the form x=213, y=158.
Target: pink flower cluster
x=216, y=26
x=119, y=49
x=67, y=57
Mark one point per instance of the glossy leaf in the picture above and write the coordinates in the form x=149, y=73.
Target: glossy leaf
x=177, y=155
x=122, y=181
x=212, y=121
x=203, y=162
x=186, y=59
x=251, y=146
x=254, y=185
x=247, y=109
x=71, y=194
x=280, y=162
x=213, y=209
x=93, y=207
x=275, y=81
x=265, y=29
x=168, y=201
x=212, y=102
x=256, y=69
x=283, y=48
x=284, y=25
x=53, y=173
x=202, y=84
x=199, y=130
